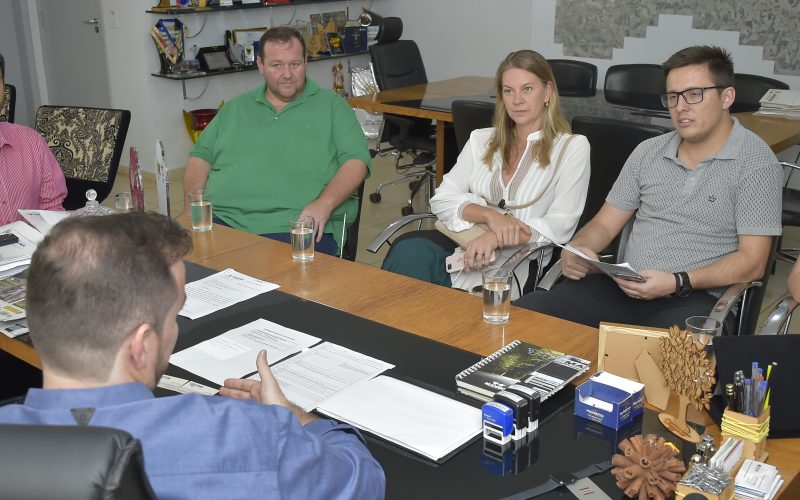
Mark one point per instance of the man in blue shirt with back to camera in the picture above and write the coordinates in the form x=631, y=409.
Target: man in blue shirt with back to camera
x=103, y=299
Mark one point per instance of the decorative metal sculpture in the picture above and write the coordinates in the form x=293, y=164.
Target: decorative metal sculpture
x=648, y=467
x=686, y=371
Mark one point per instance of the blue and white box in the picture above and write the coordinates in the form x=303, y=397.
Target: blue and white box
x=609, y=400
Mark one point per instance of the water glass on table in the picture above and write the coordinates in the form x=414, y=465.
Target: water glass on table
x=123, y=202
x=301, y=233
x=496, y=295
x=200, y=204
x=703, y=328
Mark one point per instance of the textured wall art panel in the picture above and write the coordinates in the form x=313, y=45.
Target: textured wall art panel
x=594, y=28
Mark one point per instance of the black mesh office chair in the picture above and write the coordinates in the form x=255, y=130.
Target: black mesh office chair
x=469, y=116
x=790, y=212
x=71, y=462
x=88, y=143
x=350, y=247
x=398, y=63
x=9, y=103
x=574, y=78
x=750, y=89
x=636, y=86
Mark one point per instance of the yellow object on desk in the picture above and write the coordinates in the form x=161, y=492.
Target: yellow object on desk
x=752, y=431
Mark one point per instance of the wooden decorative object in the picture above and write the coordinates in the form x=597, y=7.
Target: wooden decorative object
x=648, y=467
x=686, y=371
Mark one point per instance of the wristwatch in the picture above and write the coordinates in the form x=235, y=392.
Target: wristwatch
x=560, y=479
x=683, y=287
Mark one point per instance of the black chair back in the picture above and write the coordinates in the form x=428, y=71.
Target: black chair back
x=9, y=103
x=574, y=78
x=350, y=247
x=636, y=86
x=611, y=141
x=750, y=89
x=396, y=63
x=54, y=461
x=469, y=116
x=88, y=143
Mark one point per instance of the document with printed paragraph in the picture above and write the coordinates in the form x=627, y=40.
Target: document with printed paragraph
x=221, y=290
x=623, y=271
x=233, y=354
x=320, y=372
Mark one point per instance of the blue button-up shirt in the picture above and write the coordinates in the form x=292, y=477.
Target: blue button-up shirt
x=213, y=447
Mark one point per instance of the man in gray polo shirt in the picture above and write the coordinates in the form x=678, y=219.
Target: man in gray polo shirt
x=706, y=200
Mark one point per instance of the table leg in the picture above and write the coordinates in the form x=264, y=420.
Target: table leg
x=439, y=151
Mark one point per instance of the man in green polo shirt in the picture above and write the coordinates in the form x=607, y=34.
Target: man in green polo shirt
x=285, y=149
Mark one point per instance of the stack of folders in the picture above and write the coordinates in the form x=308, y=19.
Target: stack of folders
x=779, y=102
x=757, y=480
x=728, y=455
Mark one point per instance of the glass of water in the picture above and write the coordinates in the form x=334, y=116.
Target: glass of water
x=123, y=203
x=200, y=203
x=704, y=328
x=301, y=232
x=496, y=295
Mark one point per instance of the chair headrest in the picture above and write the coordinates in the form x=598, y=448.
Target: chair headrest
x=390, y=30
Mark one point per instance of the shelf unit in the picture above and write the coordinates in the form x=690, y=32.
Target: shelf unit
x=240, y=6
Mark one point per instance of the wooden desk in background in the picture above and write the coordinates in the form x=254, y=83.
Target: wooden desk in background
x=445, y=315
x=779, y=133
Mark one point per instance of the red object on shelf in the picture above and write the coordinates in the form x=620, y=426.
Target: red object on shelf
x=276, y=1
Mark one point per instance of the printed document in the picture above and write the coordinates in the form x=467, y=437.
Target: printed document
x=233, y=354
x=15, y=258
x=43, y=220
x=320, y=372
x=412, y=417
x=221, y=290
x=624, y=270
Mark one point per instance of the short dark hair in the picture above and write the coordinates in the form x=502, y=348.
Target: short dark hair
x=93, y=280
x=718, y=60
x=280, y=34
x=2, y=67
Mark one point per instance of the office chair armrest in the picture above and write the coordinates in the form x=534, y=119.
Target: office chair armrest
x=792, y=167
x=524, y=253
x=730, y=298
x=392, y=228
x=555, y=273
x=779, y=318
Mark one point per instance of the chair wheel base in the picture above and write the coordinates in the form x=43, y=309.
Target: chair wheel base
x=407, y=210
x=375, y=197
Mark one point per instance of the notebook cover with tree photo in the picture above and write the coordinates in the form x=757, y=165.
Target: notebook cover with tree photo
x=543, y=369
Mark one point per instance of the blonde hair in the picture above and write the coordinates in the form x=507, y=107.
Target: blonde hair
x=553, y=122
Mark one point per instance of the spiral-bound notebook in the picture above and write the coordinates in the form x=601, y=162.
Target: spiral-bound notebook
x=545, y=370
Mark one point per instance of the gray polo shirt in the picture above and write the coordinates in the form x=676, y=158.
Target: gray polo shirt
x=690, y=218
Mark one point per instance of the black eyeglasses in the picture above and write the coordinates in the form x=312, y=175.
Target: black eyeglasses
x=691, y=96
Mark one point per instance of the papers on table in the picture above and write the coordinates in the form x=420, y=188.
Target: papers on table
x=221, y=290
x=624, y=270
x=233, y=354
x=12, y=307
x=757, y=480
x=317, y=374
x=15, y=258
x=417, y=419
x=43, y=220
x=780, y=102
x=184, y=386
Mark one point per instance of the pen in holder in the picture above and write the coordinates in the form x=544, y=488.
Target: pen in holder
x=752, y=431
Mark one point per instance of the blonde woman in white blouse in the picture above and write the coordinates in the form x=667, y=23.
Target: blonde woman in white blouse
x=529, y=155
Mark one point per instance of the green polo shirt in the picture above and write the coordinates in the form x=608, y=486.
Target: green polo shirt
x=267, y=166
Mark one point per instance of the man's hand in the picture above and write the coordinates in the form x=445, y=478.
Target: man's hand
x=480, y=251
x=574, y=267
x=659, y=284
x=267, y=391
x=509, y=231
x=321, y=212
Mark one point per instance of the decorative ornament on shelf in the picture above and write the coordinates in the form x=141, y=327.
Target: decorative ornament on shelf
x=338, y=79
x=688, y=372
x=648, y=467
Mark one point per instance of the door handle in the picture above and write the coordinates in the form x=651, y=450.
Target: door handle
x=91, y=21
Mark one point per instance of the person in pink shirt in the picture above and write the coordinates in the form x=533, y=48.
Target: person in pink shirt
x=30, y=176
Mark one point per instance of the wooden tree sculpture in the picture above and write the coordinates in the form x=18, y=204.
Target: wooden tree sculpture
x=647, y=468
x=686, y=371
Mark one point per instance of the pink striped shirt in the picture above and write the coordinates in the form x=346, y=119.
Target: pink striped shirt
x=30, y=176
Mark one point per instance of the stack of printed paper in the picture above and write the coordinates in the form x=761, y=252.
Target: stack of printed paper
x=779, y=102
x=757, y=480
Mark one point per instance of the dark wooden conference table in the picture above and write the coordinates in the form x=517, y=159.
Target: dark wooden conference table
x=443, y=315
x=429, y=101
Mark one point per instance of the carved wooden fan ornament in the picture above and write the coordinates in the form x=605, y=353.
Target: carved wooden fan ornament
x=648, y=467
x=686, y=371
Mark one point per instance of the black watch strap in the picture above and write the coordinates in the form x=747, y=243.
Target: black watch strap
x=686, y=285
x=560, y=479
